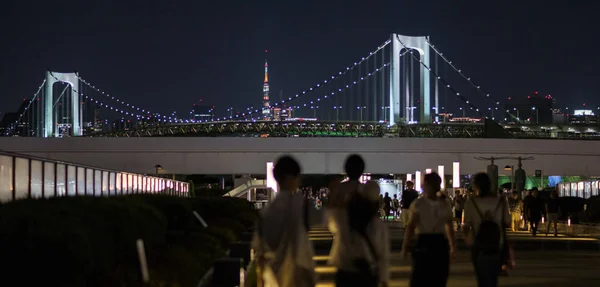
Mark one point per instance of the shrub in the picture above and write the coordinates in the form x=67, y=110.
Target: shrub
x=90, y=241
x=94, y=236
x=593, y=209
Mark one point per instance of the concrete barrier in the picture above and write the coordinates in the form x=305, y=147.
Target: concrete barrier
x=575, y=230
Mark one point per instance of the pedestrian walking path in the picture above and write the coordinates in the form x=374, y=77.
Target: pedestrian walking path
x=535, y=266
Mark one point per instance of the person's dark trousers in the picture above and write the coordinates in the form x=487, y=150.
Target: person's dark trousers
x=487, y=268
x=344, y=278
x=430, y=261
x=534, y=222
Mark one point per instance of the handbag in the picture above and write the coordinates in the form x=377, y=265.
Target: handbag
x=508, y=256
x=271, y=277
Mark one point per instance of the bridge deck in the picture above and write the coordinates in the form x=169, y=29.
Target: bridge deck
x=359, y=129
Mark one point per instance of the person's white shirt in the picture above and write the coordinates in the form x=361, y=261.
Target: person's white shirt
x=348, y=245
x=486, y=204
x=433, y=215
x=282, y=222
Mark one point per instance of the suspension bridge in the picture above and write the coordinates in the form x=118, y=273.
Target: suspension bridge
x=400, y=89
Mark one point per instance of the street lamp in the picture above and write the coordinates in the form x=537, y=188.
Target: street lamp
x=361, y=112
x=314, y=108
x=492, y=112
x=537, y=117
x=230, y=110
x=337, y=112
x=511, y=168
x=385, y=112
x=410, y=114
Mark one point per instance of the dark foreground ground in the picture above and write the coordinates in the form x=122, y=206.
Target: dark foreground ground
x=541, y=261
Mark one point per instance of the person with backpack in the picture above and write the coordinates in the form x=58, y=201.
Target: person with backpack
x=486, y=218
x=431, y=220
x=361, y=246
x=283, y=252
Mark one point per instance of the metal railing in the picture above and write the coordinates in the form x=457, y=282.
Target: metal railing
x=23, y=176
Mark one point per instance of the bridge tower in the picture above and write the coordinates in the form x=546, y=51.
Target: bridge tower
x=49, y=127
x=398, y=108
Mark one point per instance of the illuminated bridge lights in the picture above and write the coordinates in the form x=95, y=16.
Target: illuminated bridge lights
x=302, y=129
x=352, y=129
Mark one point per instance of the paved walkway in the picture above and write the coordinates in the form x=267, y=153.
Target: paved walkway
x=574, y=266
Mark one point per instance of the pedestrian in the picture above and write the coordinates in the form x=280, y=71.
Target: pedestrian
x=516, y=212
x=408, y=196
x=535, y=210
x=361, y=246
x=283, y=252
x=387, y=206
x=431, y=220
x=553, y=210
x=458, y=208
x=526, y=204
x=486, y=217
x=395, y=207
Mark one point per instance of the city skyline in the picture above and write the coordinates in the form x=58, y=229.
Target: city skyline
x=224, y=71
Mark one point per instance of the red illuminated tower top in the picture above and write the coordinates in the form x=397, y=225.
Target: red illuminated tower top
x=266, y=70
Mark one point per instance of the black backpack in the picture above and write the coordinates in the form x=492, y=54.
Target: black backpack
x=360, y=212
x=489, y=235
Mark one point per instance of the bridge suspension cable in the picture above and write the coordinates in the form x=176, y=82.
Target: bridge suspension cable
x=340, y=90
x=443, y=81
x=149, y=115
x=319, y=85
x=15, y=124
x=468, y=79
x=158, y=116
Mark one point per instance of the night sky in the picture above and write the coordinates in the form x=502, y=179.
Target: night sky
x=166, y=55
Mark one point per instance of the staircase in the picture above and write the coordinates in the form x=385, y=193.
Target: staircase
x=243, y=189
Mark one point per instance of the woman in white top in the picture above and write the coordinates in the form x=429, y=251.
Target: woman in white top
x=431, y=219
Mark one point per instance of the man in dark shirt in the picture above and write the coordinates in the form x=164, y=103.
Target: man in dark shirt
x=458, y=203
x=535, y=209
x=408, y=196
x=387, y=206
x=552, y=210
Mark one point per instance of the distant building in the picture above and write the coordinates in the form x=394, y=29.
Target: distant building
x=444, y=117
x=465, y=120
x=98, y=121
x=583, y=117
x=280, y=114
x=533, y=109
x=18, y=123
x=122, y=125
x=203, y=113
